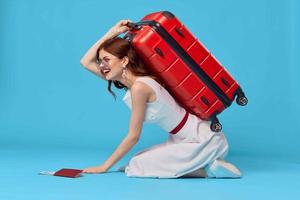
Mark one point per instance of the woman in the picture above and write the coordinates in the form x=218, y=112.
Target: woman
x=191, y=150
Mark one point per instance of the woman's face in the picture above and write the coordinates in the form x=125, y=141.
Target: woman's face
x=110, y=65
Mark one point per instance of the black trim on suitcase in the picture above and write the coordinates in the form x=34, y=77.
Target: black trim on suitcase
x=185, y=57
x=168, y=14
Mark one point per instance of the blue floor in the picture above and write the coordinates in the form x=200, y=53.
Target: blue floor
x=262, y=178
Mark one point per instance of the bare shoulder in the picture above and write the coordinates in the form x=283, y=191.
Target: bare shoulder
x=140, y=88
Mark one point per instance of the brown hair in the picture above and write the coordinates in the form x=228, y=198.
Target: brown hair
x=120, y=47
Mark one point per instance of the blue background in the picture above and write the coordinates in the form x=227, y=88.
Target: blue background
x=54, y=113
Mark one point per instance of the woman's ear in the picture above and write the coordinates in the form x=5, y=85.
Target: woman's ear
x=125, y=61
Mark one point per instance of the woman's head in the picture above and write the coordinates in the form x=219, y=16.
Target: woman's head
x=115, y=55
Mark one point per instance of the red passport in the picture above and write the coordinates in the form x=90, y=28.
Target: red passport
x=65, y=172
x=71, y=173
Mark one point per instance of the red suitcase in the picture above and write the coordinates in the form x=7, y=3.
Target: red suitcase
x=191, y=73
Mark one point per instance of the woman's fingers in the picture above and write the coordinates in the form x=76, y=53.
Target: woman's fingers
x=124, y=22
x=120, y=27
x=124, y=28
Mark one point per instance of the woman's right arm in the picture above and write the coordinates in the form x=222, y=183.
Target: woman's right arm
x=89, y=60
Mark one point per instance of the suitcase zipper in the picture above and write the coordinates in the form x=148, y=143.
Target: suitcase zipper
x=186, y=58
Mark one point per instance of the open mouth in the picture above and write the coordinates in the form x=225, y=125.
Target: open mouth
x=106, y=70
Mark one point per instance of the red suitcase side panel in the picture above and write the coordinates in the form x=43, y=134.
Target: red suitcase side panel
x=190, y=91
x=183, y=83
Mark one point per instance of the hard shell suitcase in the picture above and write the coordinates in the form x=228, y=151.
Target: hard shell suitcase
x=191, y=73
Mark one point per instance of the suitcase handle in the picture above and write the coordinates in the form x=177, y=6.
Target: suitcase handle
x=136, y=26
x=140, y=24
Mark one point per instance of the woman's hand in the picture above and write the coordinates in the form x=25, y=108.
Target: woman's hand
x=119, y=28
x=95, y=170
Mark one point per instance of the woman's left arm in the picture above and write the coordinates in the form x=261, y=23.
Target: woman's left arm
x=139, y=96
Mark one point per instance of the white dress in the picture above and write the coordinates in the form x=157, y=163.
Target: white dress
x=194, y=146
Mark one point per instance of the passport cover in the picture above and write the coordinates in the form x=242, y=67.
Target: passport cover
x=71, y=173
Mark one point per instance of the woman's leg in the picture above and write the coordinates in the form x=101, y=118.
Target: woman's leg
x=199, y=173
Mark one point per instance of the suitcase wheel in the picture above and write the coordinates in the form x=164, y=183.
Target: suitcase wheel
x=242, y=100
x=215, y=126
